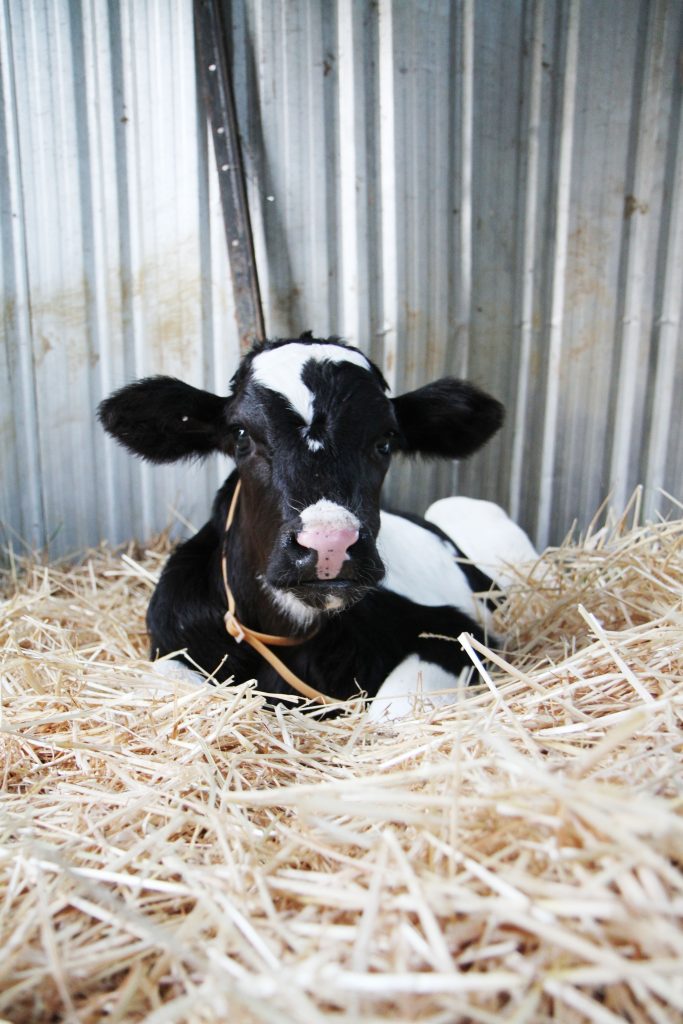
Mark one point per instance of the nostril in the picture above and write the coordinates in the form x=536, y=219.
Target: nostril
x=331, y=547
x=293, y=547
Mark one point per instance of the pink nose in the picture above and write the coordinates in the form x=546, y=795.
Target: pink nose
x=332, y=547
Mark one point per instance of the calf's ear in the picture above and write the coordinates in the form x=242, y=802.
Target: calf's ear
x=449, y=418
x=164, y=420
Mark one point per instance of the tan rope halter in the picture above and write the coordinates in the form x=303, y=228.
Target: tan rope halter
x=262, y=642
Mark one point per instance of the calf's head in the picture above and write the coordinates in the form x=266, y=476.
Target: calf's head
x=312, y=431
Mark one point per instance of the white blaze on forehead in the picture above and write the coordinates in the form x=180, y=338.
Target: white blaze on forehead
x=280, y=369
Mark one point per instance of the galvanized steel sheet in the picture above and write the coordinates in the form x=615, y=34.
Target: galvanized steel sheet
x=480, y=188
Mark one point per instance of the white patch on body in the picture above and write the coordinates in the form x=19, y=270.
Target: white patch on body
x=313, y=445
x=280, y=369
x=410, y=681
x=485, y=534
x=172, y=668
x=422, y=567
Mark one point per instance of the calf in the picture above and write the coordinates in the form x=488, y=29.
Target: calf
x=297, y=548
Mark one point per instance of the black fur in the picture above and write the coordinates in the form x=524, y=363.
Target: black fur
x=163, y=420
x=352, y=652
x=448, y=418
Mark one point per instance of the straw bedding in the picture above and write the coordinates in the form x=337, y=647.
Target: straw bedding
x=178, y=853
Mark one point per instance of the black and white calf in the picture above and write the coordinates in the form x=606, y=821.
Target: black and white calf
x=371, y=596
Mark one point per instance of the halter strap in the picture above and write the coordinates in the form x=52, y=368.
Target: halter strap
x=261, y=642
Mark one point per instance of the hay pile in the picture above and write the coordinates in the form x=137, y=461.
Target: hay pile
x=171, y=853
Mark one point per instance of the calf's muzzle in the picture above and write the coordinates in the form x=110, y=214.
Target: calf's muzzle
x=331, y=547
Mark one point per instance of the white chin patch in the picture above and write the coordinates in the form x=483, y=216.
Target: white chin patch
x=298, y=613
x=281, y=369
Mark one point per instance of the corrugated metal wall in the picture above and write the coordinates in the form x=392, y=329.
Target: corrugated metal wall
x=484, y=187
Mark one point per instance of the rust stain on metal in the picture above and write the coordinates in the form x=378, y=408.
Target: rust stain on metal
x=633, y=205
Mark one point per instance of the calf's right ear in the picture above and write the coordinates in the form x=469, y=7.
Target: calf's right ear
x=164, y=420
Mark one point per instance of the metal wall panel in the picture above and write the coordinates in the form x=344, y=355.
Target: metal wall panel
x=482, y=187
x=113, y=261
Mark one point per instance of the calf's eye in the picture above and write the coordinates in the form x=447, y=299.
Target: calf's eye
x=241, y=439
x=385, y=444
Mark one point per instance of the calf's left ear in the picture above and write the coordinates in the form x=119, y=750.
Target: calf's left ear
x=449, y=419
x=164, y=420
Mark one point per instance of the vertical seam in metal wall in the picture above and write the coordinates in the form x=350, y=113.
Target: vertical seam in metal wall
x=204, y=240
x=635, y=277
x=100, y=268
x=348, y=172
x=131, y=224
x=387, y=132
x=125, y=280
x=667, y=331
x=528, y=260
x=466, y=178
x=32, y=471
x=556, y=325
x=84, y=34
x=465, y=10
